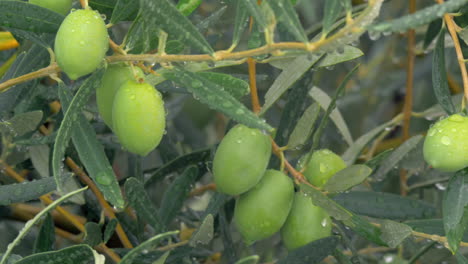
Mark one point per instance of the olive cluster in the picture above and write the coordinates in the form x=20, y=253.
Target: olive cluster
x=132, y=108
x=267, y=202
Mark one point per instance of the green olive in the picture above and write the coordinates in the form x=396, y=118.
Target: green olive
x=322, y=166
x=446, y=144
x=138, y=117
x=113, y=78
x=59, y=6
x=260, y=212
x=81, y=43
x=241, y=160
x=305, y=223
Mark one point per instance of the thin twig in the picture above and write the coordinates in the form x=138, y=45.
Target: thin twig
x=107, y=208
x=253, y=85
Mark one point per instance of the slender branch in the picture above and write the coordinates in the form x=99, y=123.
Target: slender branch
x=107, y=208
x=253, y=85
x=53, y=68
x=201, y=190
x=452, y=27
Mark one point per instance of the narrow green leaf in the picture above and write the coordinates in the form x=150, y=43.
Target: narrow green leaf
x=41, y=39
x=174, y=196
x=186, y=7
x=339, y=56
x=331, y=11
x=40, y=158
x=235, y=86
x=145, y=246
x=65, y=131
x=313, y=252
x=397, y=155
x=286, y=14
x=46, y=238
x=164, y=15
x=211, y=21
x=453, y=208
x=73, y=254
x=461, y=259
x=93, y=234
x=110, y=228
x=92, y=153
x=353, y=151
x=26, y=191
x=254, y=10
x=439, y=76
x=304, y=127
x=393, y=233
x=287, y=78
x=214, y=96
x=204, y=233
x=432, y=31
x=341, y=257
x=385, y=205
x=178, y=164
x=163, y=258
x=431, y=226
x=22, y=123
x=140, y=201
x=31, y=223
x=240, y=23
x=419, y=18
x=347, y=178
x=140, y=38
x=29, y=17
x=249, y=260
x=124, y=9
x=325, y=101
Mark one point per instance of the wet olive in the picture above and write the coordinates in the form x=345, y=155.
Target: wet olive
x=305, y=223
x=322, y=166
x=138, y=117
x=241, y=159
x=260, y=212
x=81, y=43
x=446, y=144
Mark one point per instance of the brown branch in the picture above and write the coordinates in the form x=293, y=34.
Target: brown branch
x=108, y=211
x=53, y=68
x=253, y=85
x=201, y=190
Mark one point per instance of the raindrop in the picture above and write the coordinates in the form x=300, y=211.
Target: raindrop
x=446, y=140
x=103, y=178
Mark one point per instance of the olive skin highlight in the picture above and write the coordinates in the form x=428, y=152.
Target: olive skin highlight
x=81, y=43
x=262, y=211
x=138, y=117
x=241, y=160
x=446, y=144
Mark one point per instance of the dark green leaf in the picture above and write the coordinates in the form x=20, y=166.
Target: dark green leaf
x=347, y=178
x=397, y=155
x=240, y=23
x=419, y=18
x=46, y=238
x=140, y=38
x=439, y=76
x=313, y=252
x=204, y=233
x=211, y=20
x=333, y=58
x=214, y=96
x=93, y=235
x=142, y=204
x=22, y=123
x=304, y=127
x=331, y=11
x=29, y=17
x=385, y=205
x=255, y=11
x=123, y=10
x=179, y=164
x=26, y=191
x=432, y=31
x=73, y=254
x=286, y=14
x=90, y=150
x=236, y=87
x=40, y=39
x=186, y=7
x=453, y=208
x=174, y=197
x=461, y=259
x=103, y=6
x=164, y=15
x=110, y=228
x=393, y=233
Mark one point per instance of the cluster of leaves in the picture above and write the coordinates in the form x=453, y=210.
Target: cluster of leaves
x=169, y=224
